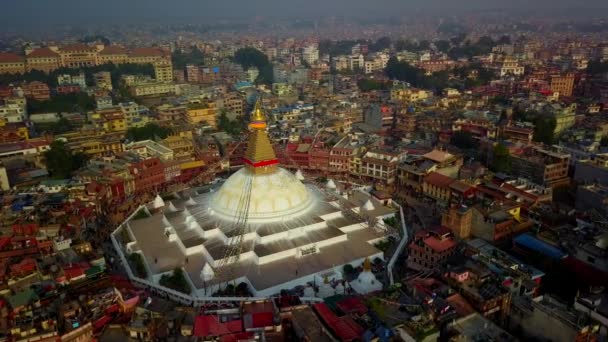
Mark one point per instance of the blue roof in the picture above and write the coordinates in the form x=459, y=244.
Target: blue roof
x=539, y=246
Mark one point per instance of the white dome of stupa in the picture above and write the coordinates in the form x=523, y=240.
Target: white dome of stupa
x=309, y=292
x=273, y=196
x=366, y=282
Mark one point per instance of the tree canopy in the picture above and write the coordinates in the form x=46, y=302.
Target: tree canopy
x=251, y=57
x=416, y=77
x=501, y=159
x=366, y=84
x=176, y=281
x=66, y=103
x=61, y=162
x=597, y=67
x=181, y=59
x=148, y=132
x=464, y=140
x=232, y=127
x=116, y=72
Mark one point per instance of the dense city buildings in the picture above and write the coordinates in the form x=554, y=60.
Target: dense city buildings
x=438, y=178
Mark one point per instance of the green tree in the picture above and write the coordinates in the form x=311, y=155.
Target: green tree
x=442, y=45
x=501, y=159
x=463, y=140
x=148, y=132
x=544, y=129
x=366, y=84
x=380, y=44
x=176, y=281
x=250, y=57
x=61, y=162
x=181, y=59
x=348, y=269
x=596, y=67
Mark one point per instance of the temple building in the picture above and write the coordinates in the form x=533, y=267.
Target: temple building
x=263, y=226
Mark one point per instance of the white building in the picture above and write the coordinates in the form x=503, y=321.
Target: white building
x=310, y=54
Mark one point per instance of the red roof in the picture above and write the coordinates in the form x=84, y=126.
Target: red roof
x=78, y=47
x=147, y=51
x=100, y=323
x=4, y=241
x=43, y=52
x=7, y=57
x=210, y=325
x=438, y=180
x=343, y=327
x=352, y=305
x=73, y=272
x=439, y=245
x=113, y=50
x=262, y=319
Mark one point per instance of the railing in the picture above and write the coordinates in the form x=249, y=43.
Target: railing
x=400, y=247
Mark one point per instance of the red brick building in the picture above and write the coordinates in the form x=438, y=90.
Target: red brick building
x=149, y=174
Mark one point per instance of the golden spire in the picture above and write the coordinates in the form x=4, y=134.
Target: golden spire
x=260, y=156
x=258, y=114
x=367, y=265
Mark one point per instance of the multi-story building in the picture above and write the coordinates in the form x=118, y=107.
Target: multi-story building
x=541, y=166
x=150, y=149
x=232, y=103
x=193, y=73
x=379, y=166
x=310, y=54
x=563, y=84
x=356, y=62
x=113, y=54
x=78, y=55
x=103, y=80
x=152, y=89
x=202, y=111
x=43, y=59
x=109, y=120
x=380, y=117
x=133, y=114
x=163, y=71
x=182, y=146
x=459, y=220
x=171, y=113
x=11, y=63
x=148, y=174
x=511, y=66
x=430, y=248
x=13, y=110
x=437, y=187
x=37, y=91
x=517, y=134
x=94, y=143
x=590, y=171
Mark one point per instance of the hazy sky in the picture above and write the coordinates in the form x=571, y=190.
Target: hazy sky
x=18, y=12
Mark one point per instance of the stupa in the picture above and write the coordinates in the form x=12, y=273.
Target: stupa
x=366, y=282
x=263, y=226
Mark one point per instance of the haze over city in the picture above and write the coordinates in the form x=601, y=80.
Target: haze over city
x=42, y=12
x=303, y=170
